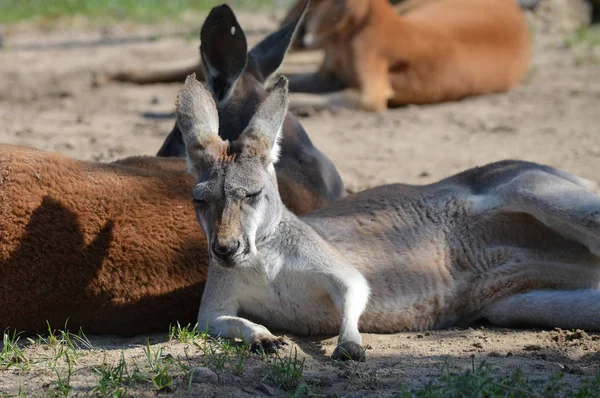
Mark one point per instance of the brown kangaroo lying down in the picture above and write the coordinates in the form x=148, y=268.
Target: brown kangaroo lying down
x=113, y=248
x=178, y=73
x=440, y=51
x=400, y=6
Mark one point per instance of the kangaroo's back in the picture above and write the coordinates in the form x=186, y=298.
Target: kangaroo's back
x=466, y=210
x=423, y=249
x=440, y=50
x=477, y=47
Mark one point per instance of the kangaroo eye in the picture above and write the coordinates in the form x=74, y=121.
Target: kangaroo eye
x=198, y=202
x=254, y=195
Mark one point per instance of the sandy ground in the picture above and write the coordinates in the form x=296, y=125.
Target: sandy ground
x=48, y=100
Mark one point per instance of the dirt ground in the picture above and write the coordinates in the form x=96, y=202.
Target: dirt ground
x=48, y=100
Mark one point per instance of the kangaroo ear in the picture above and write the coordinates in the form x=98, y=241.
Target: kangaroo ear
x=261, y=137
x=268, y=55
x=223, y=50
x=198, y=121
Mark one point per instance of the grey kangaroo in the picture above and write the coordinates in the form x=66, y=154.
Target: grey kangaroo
x=236, y=81
x=512, y=242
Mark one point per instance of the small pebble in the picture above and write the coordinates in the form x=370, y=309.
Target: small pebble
x=202, y=374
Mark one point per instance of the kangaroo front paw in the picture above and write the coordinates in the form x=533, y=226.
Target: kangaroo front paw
x=267, y=343
x=349, y=350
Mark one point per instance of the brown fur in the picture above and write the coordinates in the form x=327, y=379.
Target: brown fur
x=439, y=51
x=113, y=248
x=215, y=149
x=296, y=9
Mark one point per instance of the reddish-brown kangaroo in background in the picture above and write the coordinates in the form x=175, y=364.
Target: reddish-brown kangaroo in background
x=114, y=248
x=236, y=80
x=177, y=73
x=440, y=51
x=400, y=6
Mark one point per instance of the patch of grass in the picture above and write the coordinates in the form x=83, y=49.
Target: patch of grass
x=184, y=334
x=215, y=351
x=484, y=381
x=63, y=342
x=238, y=359
x=63, y=383
x=285, y=371
x=585, y=43
x=186, y=368
x=12, y=354
x=159, y=368
x=112, y=379
x=589, y=35
x=220, y=354
x=113, y=10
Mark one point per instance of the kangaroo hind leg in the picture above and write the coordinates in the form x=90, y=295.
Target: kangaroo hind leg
x=563, y=202
x=566, y=309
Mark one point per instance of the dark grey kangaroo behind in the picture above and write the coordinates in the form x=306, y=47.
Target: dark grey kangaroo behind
x=307, y=179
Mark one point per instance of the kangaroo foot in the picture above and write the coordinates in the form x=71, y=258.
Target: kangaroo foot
x=349, y=350
x=268, y=344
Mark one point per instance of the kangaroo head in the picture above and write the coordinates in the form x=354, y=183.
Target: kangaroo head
x=235, y=77
x=330, y=17
x=236, y=197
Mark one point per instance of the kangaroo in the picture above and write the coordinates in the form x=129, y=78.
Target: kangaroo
x=400, y=6
x=236, y=81
x=513, y=242
x=112, y=248
x=440, y=50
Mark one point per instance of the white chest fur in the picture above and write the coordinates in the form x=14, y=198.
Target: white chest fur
x=282, y=296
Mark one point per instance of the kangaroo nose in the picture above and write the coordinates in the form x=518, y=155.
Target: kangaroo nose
x=226, y=249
